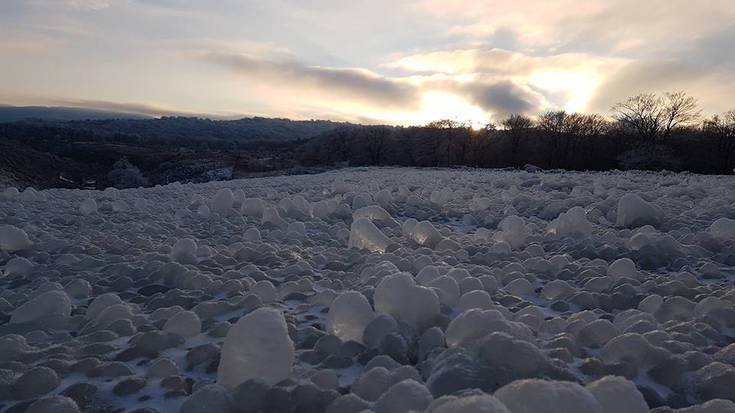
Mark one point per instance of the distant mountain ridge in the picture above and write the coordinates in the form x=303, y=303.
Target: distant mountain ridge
x=61, y=113
x=77, y=123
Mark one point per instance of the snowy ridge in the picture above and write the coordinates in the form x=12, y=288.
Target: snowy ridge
x=389, y=290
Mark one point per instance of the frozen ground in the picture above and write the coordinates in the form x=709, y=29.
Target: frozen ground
x=384, y=290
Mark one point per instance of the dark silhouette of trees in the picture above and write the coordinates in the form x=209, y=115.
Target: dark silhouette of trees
x=517, y=126
x=654, y=117
x=722, y=129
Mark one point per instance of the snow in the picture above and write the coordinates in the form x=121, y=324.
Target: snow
x=256, y=347
x=388, y=289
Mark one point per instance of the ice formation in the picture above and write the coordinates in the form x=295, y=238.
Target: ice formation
x=633, y=211
x=13, y=239
x=365, y=235
x=399, y=296
x=256, y=347
x=373, y=289
x=348, y=316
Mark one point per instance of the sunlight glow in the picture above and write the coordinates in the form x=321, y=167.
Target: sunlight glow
x=436, y=105
x=577, y=87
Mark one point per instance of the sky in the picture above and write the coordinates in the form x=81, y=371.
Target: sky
x=404, y=62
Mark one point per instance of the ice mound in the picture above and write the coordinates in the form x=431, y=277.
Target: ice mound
x=479, y=403
x=723, y=228
x=423, y=233
x=49, y=307
x=185, y=251
x=13, y=239
x=712, y=406
x=537, y=396
x=252, y=207
x=223, y=201
x=18, y=265
x=623, y=268
x=571, y=223
x=365, y=235
x=399, y=296
x=616, y=394
x=375, y=213
x=633, y=211
x=88, y=207
x=184, y=323
x=256, y=347
x=403, y=397
x=513, y=231
x=475, y=324
x=421, y=293
x=272, y=217
x=348, y=316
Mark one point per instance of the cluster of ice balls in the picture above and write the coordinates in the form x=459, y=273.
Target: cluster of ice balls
x=371, y=290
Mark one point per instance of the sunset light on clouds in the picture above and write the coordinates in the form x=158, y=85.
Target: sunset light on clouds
x=397, y=62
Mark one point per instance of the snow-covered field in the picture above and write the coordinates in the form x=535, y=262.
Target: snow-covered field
x=385, y=290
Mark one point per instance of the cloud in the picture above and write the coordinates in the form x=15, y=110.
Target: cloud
x=349, y=84
x=88, y=4
x=504, y=97
x=713, y=89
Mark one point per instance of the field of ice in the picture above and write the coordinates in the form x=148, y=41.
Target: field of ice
x=385, y=290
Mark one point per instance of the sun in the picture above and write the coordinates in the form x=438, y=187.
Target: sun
x=436, y=105
x=576, y=87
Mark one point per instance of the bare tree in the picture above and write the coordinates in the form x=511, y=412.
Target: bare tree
x=375, y=138
x=517, y=126
x=555, y=125
x=653, y=117
x=722, y=129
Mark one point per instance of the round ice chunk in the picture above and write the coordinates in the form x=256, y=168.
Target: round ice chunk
x=365, y=235
x=184, y=323
x=49, y=305
x=185, y=251
x=256, y=347
x=633, y=211
x=723, y=228
x=622, y=268
x=616, y=394
x=513, y=231
x=88, y=207
x=476, y=403
x=399, y=296
x=348, y=316
x=571, y=223
x=272, y=217
x=535, y=396
x=403, y=397
x=18, y=265
x=13, y=238
x=223, y=201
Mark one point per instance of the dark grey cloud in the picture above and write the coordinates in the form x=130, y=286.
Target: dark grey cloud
x=133, y=108
x=644, y=77
x=503, y=97
x=353, y=84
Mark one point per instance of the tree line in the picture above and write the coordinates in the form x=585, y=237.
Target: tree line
x=648, y=131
